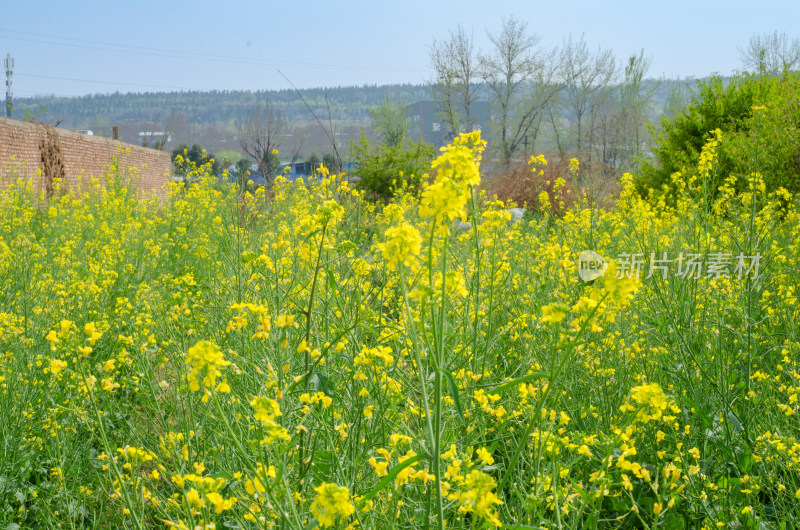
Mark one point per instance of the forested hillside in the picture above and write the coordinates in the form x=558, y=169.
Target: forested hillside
x=218, y=108
x=213, y=118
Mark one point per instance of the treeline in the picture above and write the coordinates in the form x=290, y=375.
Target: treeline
x=221, y=108
x=214, y=119
x=228, y=108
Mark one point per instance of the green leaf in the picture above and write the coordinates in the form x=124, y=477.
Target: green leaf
x=323, y=461
x=331, y=279
x=734, y=421
x=517, y=381
x=451, y=382
x=321, y=383
x=388, y=478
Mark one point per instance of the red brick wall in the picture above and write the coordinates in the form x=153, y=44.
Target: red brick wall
x=82, y=156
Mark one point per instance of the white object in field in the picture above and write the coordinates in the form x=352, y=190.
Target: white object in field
x=517, y=214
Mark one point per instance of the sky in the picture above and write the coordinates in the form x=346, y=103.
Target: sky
x=78, y=47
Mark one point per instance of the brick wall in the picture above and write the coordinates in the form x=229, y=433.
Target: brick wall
x=21, y=155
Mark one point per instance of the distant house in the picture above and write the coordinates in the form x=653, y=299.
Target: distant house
x=427, y=122
x=295, y=171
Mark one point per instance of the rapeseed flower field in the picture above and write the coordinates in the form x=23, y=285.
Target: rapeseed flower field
x=226, y=359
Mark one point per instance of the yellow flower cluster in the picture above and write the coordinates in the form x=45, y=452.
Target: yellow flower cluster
x=457, y=171
x=204, y=491
x=476, y=496
x=206, y=361
x=651, y=403
x=549, y=401
x=401, y=246
x=265, y=410
x=332, y=502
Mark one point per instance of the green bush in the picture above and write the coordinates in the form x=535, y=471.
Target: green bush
x=753, y=138
x=385, y=169
x=196, y=155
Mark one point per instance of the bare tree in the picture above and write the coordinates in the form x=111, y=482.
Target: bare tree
x=260, y=136
x=635, y=100
x=330, y=131
x=454, y=89
x=621, y=123
x=523, y=79
x=771, y=53
x=157, y=137
x=590, y=86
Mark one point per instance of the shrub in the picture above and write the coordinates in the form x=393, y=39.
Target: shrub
x=551, y=187
x=770, y=130
x=385, y=169
x=184, y=158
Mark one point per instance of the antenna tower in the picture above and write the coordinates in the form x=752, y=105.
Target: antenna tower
x=9, y=64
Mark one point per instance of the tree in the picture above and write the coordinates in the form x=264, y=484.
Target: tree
x=260, y=135
x=635, y=100
x=242, y=173
x=454, y=88
x=523, y=80
x=587, y=92
x=677, y=96
x=157, y=136
x=389, y=120
x=313, y=161
x=331, y=162
x=771, y=53
x=621, y=129
x=243, y=167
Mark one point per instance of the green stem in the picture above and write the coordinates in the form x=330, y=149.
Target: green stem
x=306, y=359
x=243, y=454
x=552, y=378
x=107, y=447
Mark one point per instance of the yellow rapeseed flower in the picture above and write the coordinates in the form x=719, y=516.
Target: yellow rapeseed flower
x=265, y=411
x=457, y=172
x=205, y=361
x=554, y=313
x=332, y=502
x=56, y=365
x=402, y=245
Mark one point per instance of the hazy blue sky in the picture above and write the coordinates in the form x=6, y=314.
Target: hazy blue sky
x=80, y=47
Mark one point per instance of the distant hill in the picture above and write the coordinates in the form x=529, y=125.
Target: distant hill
x=221, y=111
x=220, y=106
x=212, y=118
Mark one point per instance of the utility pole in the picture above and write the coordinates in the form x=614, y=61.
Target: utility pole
x=9, y=64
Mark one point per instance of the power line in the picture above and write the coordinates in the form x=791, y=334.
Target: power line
x=178, y=54
x=111, y=47
x=117, y=83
